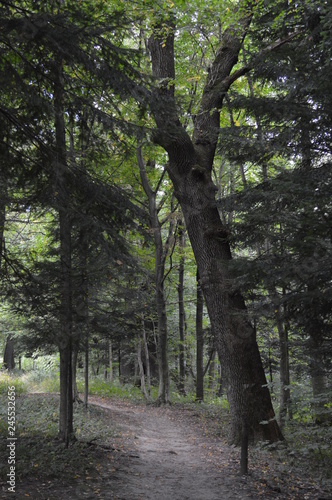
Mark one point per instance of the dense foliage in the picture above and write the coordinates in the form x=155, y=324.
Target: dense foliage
x=90, y=231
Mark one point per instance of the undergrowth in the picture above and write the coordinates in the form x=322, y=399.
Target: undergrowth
x=39, y=453
x=309, y=446
x=15, y=380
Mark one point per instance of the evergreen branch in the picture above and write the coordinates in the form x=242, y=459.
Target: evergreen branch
x=227, y=82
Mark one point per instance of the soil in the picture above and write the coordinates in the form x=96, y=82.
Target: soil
x=165, y=453
x=171, y=458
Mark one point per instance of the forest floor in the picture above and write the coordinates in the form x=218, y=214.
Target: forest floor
x=153, y=453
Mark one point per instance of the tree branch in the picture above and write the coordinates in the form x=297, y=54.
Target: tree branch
x=144, y=178
x=227, y=82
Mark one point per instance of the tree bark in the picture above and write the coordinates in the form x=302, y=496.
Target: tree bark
x=147, y=357
x=76, y=397
x=110, y=360
x=8, y=357
x=199, y=342
x=62, y=203
x=189, y=167
x=141, y=368
x=212, y=372
x=181, y=311
x=66, y=380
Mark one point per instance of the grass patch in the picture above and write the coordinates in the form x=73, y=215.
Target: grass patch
x=42, y=381
x=98, y=386
x=11, y=380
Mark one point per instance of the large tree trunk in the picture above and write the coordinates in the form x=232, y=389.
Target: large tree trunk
x=235, y=337
x=190, y=165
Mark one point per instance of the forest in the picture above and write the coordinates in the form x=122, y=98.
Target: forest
x=166, y=247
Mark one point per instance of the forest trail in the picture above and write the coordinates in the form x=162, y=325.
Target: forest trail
x=165, y=456
x=134, y=451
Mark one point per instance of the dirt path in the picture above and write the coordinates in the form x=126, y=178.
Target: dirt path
x=151, y=453
x=169, y=459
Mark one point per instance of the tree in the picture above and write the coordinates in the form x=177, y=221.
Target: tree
x=199, y=341
x=57, y=87
x=161, y=253
x=8, y=356
x=283, y=143
x=182, y=314
x=190, y=166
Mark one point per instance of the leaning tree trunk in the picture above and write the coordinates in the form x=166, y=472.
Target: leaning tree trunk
x=243, y=372
x=189, y=167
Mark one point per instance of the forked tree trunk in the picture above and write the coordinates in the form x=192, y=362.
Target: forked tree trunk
x=190, y=166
